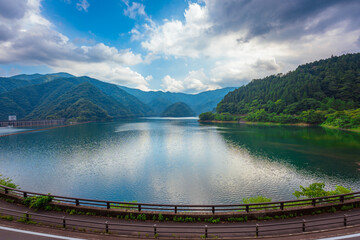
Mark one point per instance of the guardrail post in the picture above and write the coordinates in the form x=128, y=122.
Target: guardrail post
x=303, y=225
x=247, y=208
x=314, y=202
x=345, y=220
x=27, y=216
x=77, y=202
x=64, y=222
x=6, y=190
x=282, y=206
x=155, y=232
x=25, y=194
x=107, y=205
x=342, y=199
x=213, y=209
x=106, y=227
x=206, y=231
x=257, y=230
x=175, y=209
x=139, y=208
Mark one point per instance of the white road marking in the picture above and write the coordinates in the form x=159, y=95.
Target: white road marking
x=38, y=234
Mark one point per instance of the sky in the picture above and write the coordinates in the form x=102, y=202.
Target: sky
x=173, y=45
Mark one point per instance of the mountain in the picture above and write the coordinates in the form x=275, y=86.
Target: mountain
x=312, y=93
x=159, y=101
x=39, y=96
x=178, y=109
x=8, y=84
x=63, y=97
x=45, y=77
x=85, y=93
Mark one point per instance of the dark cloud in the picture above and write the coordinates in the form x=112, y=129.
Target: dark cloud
x=268, y=65
x=12, y=8
x=5, y=33
x=282, y=18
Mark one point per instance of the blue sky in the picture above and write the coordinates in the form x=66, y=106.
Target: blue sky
x=173, y=45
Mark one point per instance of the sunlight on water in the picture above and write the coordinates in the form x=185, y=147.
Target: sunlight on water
x=179, y=160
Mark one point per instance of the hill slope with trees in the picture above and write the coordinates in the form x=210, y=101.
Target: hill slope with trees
x=322, y=92
x=178, y=109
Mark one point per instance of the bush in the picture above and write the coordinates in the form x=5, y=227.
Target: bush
x=7, y=182
x=38, y=202
x=315, y=190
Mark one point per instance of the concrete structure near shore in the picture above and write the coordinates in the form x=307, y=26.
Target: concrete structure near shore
x=31, y=123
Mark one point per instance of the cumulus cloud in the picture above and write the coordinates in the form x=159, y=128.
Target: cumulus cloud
x=32, y=40
x=109, y=72
x=134, y=9
x=12, y=9
x=82, y=5
x=251, y=39
x=177, y=38
x=195, y=81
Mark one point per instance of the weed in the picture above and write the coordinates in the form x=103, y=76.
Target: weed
x=9, y=200
x=212, y=220
x=141, y=217
x=347, y=207
x=332, y=210
x=9, y=218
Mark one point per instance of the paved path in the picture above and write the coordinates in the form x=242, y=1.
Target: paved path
x=173, y=230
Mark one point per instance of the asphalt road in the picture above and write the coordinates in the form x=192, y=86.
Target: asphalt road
x=274, y=229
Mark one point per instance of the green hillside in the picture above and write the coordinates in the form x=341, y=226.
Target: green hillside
x=179, y=109
x=313, y=93
x=64, y=98
x=85, y=92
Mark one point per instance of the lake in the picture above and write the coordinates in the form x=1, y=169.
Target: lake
x=179, y=161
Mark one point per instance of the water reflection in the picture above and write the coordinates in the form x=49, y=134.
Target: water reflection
x=179, y=160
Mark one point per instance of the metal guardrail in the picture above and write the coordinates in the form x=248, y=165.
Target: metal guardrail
x=280, y=205
x=203, y=231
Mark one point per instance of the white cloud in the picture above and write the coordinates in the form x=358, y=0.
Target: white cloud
x=134, y=9
x=34, y=41
x=82, y=5
x=241, y=50
x=194, y=82
x=108, y=72
x=171, y=85
x=180, y=39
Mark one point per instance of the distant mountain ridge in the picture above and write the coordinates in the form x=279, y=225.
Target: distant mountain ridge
x=62, y=95
x=159, y=101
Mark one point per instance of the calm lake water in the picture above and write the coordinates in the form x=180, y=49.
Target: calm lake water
x=179, y=160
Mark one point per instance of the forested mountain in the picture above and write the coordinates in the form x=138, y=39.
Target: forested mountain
x=64, y=98
x=159, y=101
x=63, y=95
x=178, y=109
x=310, y=94
x=8, y=84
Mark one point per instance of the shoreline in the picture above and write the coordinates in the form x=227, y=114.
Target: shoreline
x=41, y=129
x=281, y=124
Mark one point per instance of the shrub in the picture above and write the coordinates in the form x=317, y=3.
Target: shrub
x=317, y=190
x=38, y=202
x=7, y=182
